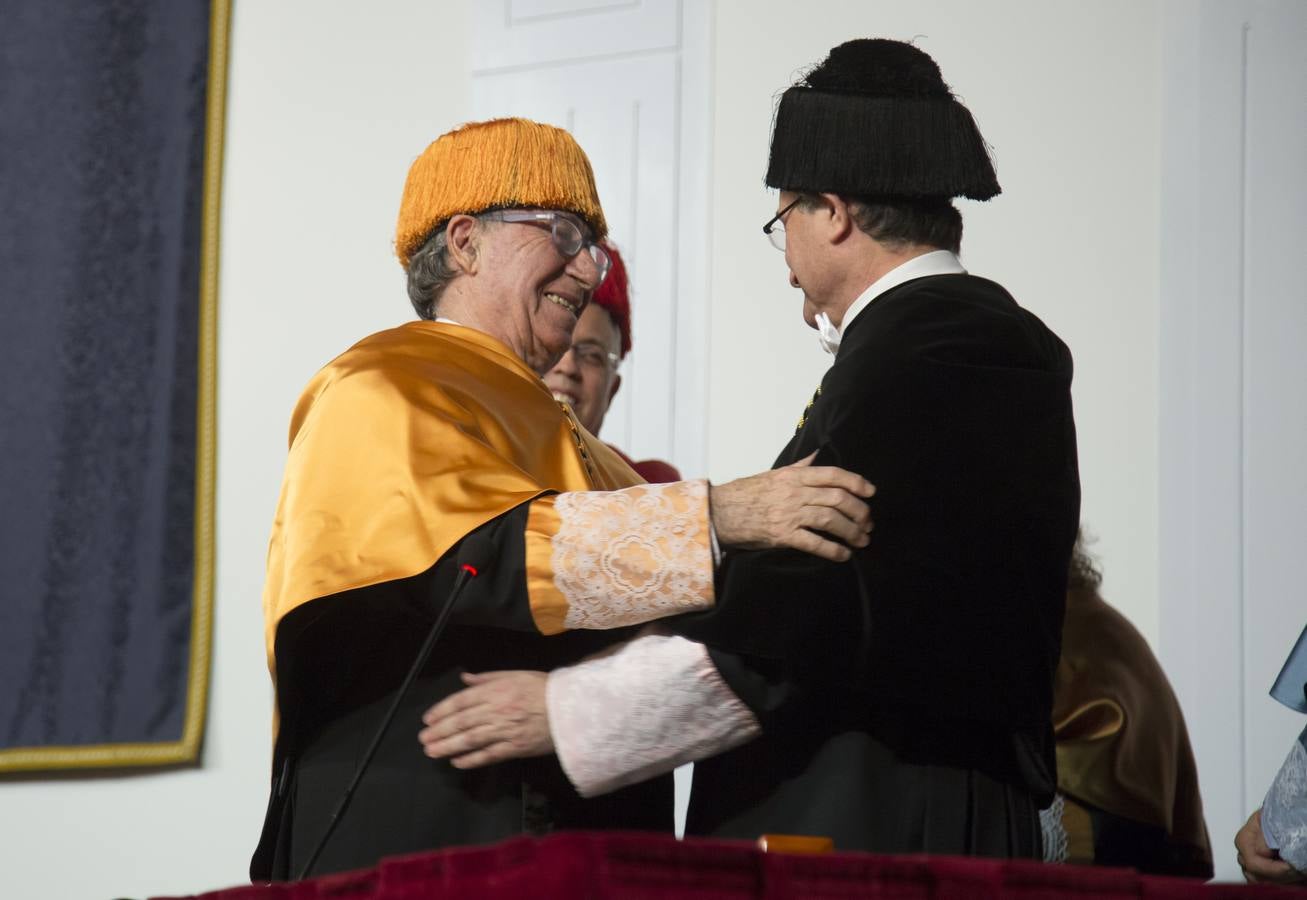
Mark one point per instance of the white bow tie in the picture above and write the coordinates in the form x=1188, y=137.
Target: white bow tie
x=827, y=334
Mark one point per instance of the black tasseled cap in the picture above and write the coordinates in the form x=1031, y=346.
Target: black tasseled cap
x=875, y=119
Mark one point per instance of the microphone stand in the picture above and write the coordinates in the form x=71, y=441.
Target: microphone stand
x=474, y=549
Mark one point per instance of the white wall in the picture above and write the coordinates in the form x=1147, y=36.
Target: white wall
x=1233, y=436
x=329, y=103
x=1068, y=96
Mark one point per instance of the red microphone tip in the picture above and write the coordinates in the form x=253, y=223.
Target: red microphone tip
x=470, y=569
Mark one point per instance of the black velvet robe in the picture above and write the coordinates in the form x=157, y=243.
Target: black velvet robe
x=340, y=660
x=905, y=695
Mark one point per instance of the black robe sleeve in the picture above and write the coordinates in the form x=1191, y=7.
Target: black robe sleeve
x=340, y=660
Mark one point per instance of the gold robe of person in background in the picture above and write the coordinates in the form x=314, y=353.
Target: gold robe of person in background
x=1124, y=762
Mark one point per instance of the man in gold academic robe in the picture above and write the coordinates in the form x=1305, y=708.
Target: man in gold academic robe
x=418, y=437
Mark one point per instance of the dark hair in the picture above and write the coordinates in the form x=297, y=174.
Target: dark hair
x=1082, y=574
x=900, y=221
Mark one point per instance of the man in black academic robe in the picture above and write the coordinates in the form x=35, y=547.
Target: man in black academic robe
x=904, y=700
x=899, y=703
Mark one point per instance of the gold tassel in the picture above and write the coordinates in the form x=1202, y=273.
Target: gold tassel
x=499, y=163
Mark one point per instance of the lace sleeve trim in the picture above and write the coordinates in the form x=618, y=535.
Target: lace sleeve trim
x=641, y=709
x=1284, y=814
x=1053, y=831
x=606, y=559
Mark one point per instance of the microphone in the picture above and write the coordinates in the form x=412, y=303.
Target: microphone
x=474, y=554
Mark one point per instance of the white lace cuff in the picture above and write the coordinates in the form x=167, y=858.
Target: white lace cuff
x=606, y=559
x=640, y=709
x=1054, y=832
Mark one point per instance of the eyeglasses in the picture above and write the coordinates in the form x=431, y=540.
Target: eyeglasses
x=568, y=237
x=593, y=356
x=775, y=227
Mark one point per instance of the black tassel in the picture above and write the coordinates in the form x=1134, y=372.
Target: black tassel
x=853, y=144
x=875, y=119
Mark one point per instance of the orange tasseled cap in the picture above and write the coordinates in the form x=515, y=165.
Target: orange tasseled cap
x=494, y=164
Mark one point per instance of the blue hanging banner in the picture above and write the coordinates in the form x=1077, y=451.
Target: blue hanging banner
x=110, y=177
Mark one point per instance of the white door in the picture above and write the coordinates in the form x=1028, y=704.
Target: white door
x=629, y=80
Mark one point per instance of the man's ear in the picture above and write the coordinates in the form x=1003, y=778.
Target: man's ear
x=462, y=236
x=838, y=217
x=612, y=391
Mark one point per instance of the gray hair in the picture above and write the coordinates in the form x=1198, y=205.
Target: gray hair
x=429, y=272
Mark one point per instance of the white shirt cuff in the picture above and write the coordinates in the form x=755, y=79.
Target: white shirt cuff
x=640, y=709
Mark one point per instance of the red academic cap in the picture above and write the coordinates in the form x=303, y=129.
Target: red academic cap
x=614, y=295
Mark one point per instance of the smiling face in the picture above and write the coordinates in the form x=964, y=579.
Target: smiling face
x=586, y=377
x=536, y=293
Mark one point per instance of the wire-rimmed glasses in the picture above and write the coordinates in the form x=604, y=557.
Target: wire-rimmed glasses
x=775, y=227
x=590, y=354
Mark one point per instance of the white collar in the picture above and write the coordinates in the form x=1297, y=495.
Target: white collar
x=936, y=262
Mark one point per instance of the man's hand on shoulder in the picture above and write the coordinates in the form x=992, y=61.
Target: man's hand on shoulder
x=820, y=510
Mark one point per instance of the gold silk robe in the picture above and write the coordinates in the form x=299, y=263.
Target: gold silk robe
x=1122, y=745
x=415, y=437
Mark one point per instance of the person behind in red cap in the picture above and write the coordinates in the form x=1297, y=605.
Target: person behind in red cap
x=586, y=377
